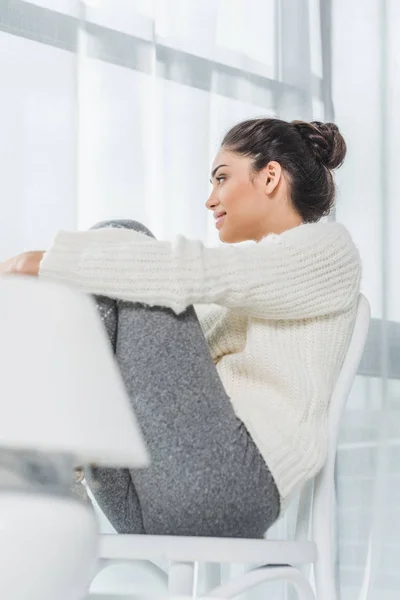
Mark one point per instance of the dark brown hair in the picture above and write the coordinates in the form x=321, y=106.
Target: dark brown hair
x=306, y=151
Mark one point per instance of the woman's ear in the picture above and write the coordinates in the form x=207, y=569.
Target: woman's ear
x=272, y=176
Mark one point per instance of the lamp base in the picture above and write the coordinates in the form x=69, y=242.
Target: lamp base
x=47, y=546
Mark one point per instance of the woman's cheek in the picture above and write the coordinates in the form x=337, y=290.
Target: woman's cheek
x=226, y=196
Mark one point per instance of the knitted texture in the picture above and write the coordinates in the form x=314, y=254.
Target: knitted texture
x=280, y=322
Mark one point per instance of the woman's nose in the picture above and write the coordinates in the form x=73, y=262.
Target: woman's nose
x=211, y=202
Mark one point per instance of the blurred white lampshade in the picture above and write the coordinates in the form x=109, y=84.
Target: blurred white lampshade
x=60, y=388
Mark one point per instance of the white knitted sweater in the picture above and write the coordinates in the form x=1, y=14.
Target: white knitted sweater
x=278, y=331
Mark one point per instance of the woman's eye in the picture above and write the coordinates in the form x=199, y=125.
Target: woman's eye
x=221, y=178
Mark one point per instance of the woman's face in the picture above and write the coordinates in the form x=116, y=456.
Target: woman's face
x=238, y=198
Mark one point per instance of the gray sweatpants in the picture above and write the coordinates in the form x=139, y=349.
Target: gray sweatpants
x=207, y=477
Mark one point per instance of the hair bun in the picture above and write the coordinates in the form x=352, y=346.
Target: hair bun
x=325, y=141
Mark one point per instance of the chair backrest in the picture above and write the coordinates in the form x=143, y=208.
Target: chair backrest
x=323, y=500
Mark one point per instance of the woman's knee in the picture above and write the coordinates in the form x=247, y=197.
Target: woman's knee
x=123, y=224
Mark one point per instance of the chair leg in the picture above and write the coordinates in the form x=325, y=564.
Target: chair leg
x=268, y=573
x=181, y=578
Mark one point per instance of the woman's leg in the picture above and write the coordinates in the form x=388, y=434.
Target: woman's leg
x=206, y=475
x=113, y=488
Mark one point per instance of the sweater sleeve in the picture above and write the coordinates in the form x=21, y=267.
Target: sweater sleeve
x=310, y=271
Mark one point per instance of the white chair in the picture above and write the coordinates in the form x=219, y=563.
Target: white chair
x=57, y=375
x=314, y=541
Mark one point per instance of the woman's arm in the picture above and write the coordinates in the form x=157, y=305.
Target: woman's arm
x=306, y=272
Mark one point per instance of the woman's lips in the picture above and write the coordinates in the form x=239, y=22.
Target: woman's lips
x=219, y=219
x=219, y=222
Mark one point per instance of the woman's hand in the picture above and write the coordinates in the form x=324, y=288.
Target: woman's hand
x=27, y=263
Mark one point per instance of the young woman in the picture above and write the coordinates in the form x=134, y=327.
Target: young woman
x=233, y=404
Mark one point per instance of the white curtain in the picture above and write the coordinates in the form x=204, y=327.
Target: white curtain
x=366, y=95
x=159, y=82
x=115, y=108
x=119, y=114
x=38, y=133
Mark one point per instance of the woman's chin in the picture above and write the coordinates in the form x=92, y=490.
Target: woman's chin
x=224, y=237
x=228, y=237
